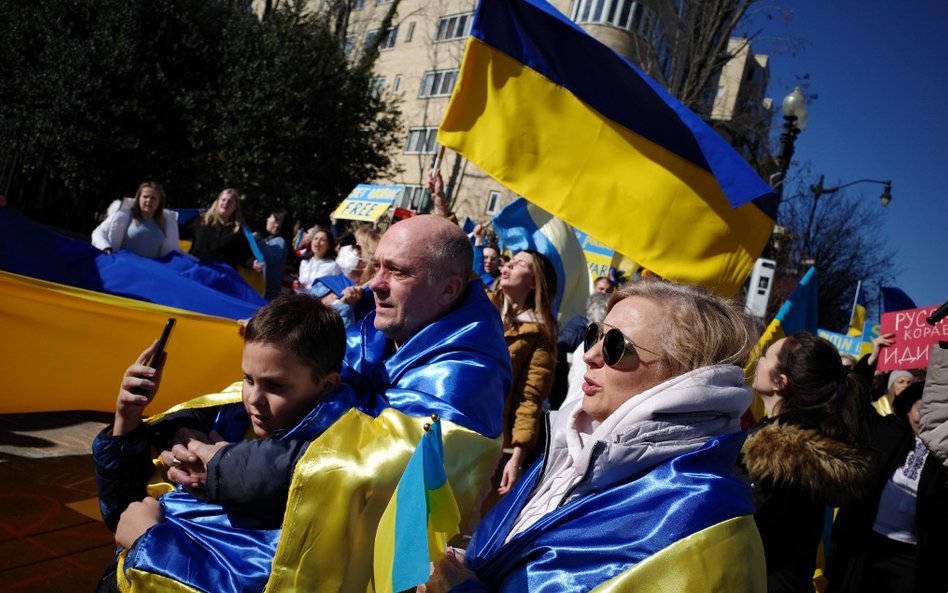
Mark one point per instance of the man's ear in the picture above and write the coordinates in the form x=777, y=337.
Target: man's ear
x=451, y=289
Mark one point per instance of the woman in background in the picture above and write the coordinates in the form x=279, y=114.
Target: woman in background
x=322, y=258
x=141, y=225
x=810, y=452
x=219, y=233
x=524, y=296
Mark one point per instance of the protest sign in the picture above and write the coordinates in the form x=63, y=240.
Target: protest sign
x=851, y=345
x=599, y=257
x=913, y=338
x=368, y=202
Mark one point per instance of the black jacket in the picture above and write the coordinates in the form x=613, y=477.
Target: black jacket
x=892, y=439
x=797, y=473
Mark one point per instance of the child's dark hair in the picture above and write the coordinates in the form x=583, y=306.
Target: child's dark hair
x=818, y=382
x=301, y=324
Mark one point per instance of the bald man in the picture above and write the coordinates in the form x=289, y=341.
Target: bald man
x=434, y=345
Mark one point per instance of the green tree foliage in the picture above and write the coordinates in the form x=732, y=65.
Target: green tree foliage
x=99, y=95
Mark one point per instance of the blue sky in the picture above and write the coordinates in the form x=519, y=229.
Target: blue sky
x=881, y=72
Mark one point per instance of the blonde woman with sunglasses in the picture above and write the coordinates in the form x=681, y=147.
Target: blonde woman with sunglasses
x=636, y=490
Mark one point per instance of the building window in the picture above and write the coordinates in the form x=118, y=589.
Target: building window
x=422, y=140
x=396, y=83
x=438, y=83
x=454, y=27
x=387, y=43
x=378, y=86
x=625, y=14
x=415, y=198
x=493, y=203
x=411, y=32
x=350, y=44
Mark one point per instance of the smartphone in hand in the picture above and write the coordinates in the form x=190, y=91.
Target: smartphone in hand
x=162, y=342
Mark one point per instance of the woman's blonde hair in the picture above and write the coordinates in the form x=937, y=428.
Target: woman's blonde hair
x=368, y=240
x=159, y=216
x=213, y=215
x=698, y=328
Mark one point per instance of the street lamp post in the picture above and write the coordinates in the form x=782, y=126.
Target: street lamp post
x=794, y=121
x=818, y=190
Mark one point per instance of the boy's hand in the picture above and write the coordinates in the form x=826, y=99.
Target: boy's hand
x=139, y=386
x=138, y=518
x=188, y=459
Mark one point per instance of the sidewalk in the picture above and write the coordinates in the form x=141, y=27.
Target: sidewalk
x=51, y=540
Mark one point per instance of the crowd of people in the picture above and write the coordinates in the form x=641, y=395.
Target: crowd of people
x=624, y=463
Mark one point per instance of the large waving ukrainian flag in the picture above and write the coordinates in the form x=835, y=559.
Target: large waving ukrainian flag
x=564, y=121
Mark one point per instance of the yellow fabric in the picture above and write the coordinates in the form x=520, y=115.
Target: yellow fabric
x=66, y=348
x=531, y=135
x=728, y=557
x=147, y=582
x=255, y=279
x=773, y=333
x=343, y=484
x=883, y=406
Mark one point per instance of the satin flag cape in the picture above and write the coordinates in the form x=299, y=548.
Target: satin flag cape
x=567, y=123
x=339, y=490
x=522, y=225
x=684, y=525
x=199, y=545
x=798, y=313
x=66, y=340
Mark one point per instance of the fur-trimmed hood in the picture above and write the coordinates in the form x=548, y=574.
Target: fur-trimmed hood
x=785, y=455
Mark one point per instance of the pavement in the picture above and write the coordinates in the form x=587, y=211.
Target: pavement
x=52, y=539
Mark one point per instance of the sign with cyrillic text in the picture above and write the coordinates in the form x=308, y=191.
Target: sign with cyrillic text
x=913, y=338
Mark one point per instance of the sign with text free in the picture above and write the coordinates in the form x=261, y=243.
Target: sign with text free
x=913, y=338
x=368, y=202
x=599, y=257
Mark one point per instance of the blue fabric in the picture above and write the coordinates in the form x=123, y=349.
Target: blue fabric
x=206, y=547
x=587, y=541
x=799, y=312
x=457, y=367
x=516, y=231
x=542, y=38
x=274, y=253
x=175, y=280
x=895, y=299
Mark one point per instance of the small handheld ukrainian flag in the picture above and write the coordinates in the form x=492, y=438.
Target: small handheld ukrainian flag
x=419, y=520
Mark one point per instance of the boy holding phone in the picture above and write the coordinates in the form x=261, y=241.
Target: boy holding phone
x=290, y=391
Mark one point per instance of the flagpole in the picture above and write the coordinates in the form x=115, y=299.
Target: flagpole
x=852, y=314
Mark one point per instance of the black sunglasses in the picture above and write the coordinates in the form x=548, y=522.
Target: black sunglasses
x=614, y=344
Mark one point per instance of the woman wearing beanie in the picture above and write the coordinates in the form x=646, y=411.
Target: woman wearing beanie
x=898, y=381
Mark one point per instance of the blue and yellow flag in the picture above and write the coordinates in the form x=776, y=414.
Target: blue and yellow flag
x=418, y=521
x=858, y=318
x=564, y=121
x=522, y=225
x=798, y=313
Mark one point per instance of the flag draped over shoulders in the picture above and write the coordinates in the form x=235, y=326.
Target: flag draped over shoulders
x=570, y=125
